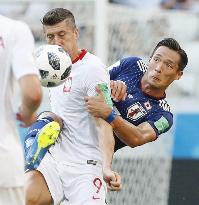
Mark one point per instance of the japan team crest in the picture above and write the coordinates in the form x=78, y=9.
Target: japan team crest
x=135, y=111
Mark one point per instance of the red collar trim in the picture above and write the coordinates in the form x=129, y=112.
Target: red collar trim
x=80, y=56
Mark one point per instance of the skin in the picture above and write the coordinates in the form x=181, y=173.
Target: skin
x=163, y=70
x=30, y=100
x=64, y=35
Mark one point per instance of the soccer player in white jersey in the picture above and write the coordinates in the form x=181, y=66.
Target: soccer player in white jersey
x=72, y=171
x=16, y=60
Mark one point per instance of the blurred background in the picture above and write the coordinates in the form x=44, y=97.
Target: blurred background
x=165, y=172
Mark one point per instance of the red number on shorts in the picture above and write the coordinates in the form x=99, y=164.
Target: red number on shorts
x=98, y=184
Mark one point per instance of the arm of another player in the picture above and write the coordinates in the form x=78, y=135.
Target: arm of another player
x=107, y=143
x=130, y=134
x=31, y=98
x=118, y=90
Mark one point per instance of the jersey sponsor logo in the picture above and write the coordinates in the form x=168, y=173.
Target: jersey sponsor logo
x=67, y=85
x=142, y=66
x=164, y=105
x=136, y=111
x=162, y=124
x=2, y=42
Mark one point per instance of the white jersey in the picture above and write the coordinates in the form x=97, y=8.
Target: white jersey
x=79, y=137
x=16, y=47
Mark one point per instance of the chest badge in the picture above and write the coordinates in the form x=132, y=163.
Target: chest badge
x=147, y=105
x=67, y=85
x=135, y=111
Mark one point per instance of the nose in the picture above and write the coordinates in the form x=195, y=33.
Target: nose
x=57, y=41
x=158, y=67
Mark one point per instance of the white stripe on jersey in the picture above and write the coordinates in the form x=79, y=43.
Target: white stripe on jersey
x=164, y=105
x=143, y=67
x=114, y=65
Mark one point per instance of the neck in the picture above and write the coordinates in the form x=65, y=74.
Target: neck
x=150, y=90
x=75, y=54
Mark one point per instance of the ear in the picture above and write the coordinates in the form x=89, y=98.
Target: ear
x=179, y=75
x=77, y=33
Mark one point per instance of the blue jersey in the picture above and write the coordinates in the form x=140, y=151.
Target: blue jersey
x=139, y=107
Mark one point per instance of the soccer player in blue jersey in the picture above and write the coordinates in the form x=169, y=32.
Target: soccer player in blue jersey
x=144, y=114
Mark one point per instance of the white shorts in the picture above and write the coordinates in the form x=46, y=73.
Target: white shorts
x=73, y=184
x=12, y=196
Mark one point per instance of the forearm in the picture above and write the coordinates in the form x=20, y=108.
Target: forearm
x=29, y=106
x=106, y=141
x=133, y=135
x=31, y=94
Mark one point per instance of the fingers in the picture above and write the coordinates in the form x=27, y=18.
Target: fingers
x=118, y=90
x=99, y=91
x=113, y=180
x=116, y=185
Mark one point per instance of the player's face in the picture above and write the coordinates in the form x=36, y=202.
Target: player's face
x=163, y=68
x=64, y=35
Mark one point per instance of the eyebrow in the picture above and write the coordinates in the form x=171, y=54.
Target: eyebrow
x=168, y=60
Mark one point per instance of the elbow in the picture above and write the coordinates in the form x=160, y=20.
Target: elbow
x=35, y=97
x=136, y=142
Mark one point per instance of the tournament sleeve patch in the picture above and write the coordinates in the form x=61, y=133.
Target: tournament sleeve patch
x=104, y=88
x=162, y=124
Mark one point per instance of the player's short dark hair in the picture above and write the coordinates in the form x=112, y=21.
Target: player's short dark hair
x=58, y=15
x=174, y=45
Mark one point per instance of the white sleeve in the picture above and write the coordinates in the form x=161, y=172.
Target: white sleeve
x=23, y=48
x=114, y=65
x=97, y=75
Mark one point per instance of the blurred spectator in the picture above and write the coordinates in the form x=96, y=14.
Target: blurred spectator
x=142, y=4
x=176, y=4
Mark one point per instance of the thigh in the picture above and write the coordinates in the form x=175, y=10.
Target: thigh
x=12, y=196
x=86, y=185
x=36, y=189
x=48, y=169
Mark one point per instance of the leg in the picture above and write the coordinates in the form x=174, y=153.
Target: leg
x=44, y=186
x=83, y=184
x=41, y=135
x=36, y=189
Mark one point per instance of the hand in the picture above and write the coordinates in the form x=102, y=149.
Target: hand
x=118, y=90
x=97, y=105
x=25, y=118
x=113, y=180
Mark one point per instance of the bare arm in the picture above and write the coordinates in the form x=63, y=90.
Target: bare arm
x=31, y=98
x=133, y=135
x=107, y=143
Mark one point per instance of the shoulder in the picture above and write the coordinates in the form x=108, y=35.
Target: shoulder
x=134, y=62
x=164, y=105
x=16, y=25
x=93, y=62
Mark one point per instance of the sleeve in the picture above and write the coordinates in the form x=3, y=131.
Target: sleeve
x=161, y=122
x=23, y=48
x=99, y=76
x=122, y=65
